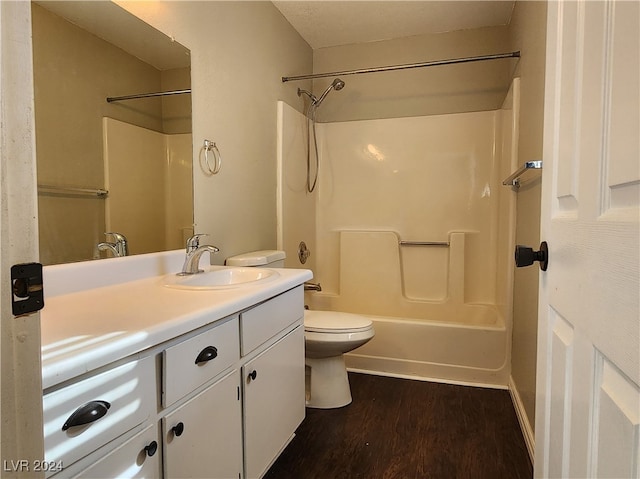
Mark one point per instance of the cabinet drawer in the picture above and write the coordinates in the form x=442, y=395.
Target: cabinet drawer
x=128, y=390
x=269, y=318
x=218, y=348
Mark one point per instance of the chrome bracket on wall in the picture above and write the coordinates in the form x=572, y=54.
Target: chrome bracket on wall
x=514, y=179
x=303, y=252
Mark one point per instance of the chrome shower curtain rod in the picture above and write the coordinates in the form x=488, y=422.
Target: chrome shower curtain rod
x=403, y=66
x=146, y=95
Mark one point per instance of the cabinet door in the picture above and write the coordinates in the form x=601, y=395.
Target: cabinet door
x=137, y=458
x=274, y=401
x=202, y=438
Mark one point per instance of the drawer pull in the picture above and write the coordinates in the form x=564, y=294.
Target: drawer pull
x=90, y=412
x=178, y=429
x=151, y=448
x=252, y=375
x=207, y=354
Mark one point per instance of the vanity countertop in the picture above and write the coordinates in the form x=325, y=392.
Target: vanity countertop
x=94, y=321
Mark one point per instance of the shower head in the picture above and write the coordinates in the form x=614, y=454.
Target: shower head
x=337, y=85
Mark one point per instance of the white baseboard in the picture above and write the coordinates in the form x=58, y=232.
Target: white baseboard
x=523, y=419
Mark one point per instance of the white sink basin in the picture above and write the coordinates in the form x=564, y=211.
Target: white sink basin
x=220, y=277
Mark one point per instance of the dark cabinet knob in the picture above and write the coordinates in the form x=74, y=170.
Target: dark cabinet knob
x=525, y=256
x=207, y=354
x=90, y=412
x=151, y=449
x=178, y=429
x=252, y=375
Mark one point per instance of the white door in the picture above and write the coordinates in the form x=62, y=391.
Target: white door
x=588, y=398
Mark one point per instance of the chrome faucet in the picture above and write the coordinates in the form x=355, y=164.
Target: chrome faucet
x=106, y=246
x=118, y=247
x=120, y=243
x=194, y=252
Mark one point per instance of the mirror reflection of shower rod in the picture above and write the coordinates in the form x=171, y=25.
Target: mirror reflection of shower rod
x=404, y=66
x=147, y=95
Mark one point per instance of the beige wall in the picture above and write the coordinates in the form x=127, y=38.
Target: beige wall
x=239, y=52
x=421, y=91
x=527, y=33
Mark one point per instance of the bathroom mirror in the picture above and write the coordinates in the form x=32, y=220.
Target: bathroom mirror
x=120, y=166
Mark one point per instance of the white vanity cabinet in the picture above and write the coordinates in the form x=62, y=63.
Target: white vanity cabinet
x=218, y=402
x=203, y=436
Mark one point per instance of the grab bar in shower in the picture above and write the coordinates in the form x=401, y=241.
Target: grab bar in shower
x=423, y=243
x=514, y=179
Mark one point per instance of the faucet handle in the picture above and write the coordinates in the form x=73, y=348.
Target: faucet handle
x=116, y=236
x=120, y=241
x=194, y=241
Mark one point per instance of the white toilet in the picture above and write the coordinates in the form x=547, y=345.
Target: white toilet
x=327, y=336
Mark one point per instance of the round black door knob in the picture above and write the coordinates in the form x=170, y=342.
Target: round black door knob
x=178, y=429
x=525, y=256
x=151, y=449
x=253, y=374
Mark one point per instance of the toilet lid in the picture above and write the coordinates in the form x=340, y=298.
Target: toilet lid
x=335, y=322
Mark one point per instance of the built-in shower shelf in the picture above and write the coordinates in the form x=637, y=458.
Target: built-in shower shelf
x=514, y=179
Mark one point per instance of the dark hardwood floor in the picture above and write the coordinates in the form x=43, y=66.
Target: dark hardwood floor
x=404, y=429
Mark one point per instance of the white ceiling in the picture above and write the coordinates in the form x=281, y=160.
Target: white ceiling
x=337, y=22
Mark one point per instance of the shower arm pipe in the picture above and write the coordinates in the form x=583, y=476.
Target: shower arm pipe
x=404, y=66
x=147, y=95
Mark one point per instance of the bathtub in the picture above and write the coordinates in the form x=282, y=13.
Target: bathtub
x=468, y=350
x=411, y=227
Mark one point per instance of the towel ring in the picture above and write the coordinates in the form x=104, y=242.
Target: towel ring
x=210, y=146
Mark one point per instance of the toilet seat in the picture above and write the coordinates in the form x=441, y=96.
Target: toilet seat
x=333, y=322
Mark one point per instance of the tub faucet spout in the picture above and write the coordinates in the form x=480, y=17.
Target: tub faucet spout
x=312, y=286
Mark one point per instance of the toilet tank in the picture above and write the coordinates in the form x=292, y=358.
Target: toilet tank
x=268, y=258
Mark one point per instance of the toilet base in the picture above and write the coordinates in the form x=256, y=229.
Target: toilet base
x=327, y=383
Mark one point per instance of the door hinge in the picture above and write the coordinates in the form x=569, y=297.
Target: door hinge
x=27, y=289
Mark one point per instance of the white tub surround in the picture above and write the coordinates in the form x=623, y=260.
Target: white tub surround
x=411, y=227
x=114, y=337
